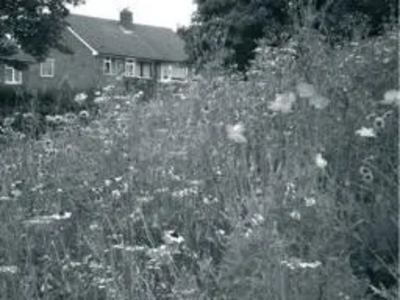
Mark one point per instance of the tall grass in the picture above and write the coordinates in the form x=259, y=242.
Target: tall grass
x=282, y=185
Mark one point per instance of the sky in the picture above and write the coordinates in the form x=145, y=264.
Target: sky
x=166, y=13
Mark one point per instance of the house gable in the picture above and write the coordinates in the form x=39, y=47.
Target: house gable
x=76, y=69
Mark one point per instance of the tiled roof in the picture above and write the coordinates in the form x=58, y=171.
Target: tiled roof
x=19, y=56
x=140, y=41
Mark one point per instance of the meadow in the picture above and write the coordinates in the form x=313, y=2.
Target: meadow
x=278, y=185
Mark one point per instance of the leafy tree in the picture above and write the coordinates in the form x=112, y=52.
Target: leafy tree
x=235, y=26
x=32, y=26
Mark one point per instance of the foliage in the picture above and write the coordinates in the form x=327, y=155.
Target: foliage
x=32, y=26
x=280, y=185
x=235, y=27
x=26, y=111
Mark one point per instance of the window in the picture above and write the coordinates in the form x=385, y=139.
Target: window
x=178, y=72
x=144, y=70
x=166, y=70
x=130, y=68
x=107, y=66
x=47, y=68
x=173, y=72
x=12, y=76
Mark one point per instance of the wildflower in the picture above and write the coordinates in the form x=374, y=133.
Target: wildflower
x=320, y=161
x=366, y=132
x=108, y=88
x=364, y=170
x=305, y=90
x=206, y=200
x=83, y=115
x=257, y=219
x=49, y=219
x=171, y=237
x=388, y=114
x=391, y=97
x=80, y=98
x=16, y=193
x=8, y=121
x=283, y=103
x=296, y=263
x=107, y=182
x=368, y=178
x=97, y=93
x=47, y=144
x=235, y=133
x=99, y=100
x=4, y=198
x=310, y=265
x=94, y=226
x=248, y=232
x=319, y=102
x=58, y=119
x=8, y=269
x=310, y=201
x=49, y=119
x=125, y=187
x=70, y=118
x=295, y=215
x=27, y=115
x=221, y=232
x=116, y=194
x=206, y=109
x=379, y=123
x=145, y=199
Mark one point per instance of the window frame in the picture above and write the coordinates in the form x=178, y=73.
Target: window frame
x=52, y=64
x=108, y=60
x=16, y=80
x=178, y=68
x=131, y=63
x=168, y=72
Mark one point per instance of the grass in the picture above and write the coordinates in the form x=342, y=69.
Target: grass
x=221, y=188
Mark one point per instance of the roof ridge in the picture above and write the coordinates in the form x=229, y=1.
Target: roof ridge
x=116, y=21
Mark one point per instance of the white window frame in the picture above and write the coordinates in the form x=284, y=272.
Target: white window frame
x=16, y=76
x=52, y=64
x=108, y=60
x=178, y=68
x=130, y=63
x=167, y=72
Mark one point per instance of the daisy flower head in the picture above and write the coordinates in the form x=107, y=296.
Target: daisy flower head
x=236, y=133
x=366, y=132
x=391, y=97
x=283, y=103
x=320, y=161
x=305, y=90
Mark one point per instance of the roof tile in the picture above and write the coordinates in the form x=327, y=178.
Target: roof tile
x=140, y=41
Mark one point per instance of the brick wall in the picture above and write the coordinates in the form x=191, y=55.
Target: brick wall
x=77, y=70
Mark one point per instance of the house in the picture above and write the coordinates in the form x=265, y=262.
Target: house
x=104, y=51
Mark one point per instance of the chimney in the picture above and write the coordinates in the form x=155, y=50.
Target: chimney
x=126, y=18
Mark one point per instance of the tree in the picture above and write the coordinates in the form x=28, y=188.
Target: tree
x=237, y=25
x=32, y=27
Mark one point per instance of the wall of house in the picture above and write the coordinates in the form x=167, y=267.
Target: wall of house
x=118, y=77
x=76, y=71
